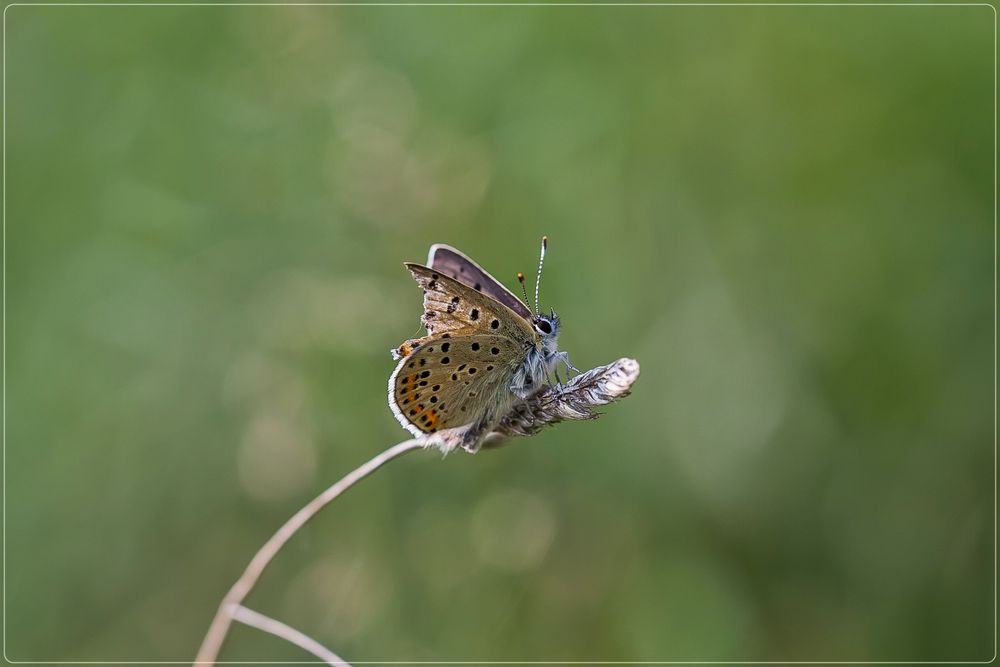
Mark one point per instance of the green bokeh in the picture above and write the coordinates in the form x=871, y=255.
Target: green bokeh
x=784, y=213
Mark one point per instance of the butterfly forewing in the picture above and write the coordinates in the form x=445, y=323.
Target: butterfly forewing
x=455, y=264
x=457, y=309
x=449, y=382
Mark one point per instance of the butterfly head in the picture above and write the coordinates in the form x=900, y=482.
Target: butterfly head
x=547, y=325
x=547, y=328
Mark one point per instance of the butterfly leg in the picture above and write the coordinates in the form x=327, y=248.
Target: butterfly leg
x=476, y=432
x=469, y=437
x=564, y=358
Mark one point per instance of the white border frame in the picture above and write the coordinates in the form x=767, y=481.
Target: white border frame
x=504, y=4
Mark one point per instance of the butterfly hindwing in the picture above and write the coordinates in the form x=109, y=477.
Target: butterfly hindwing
x=450, y=382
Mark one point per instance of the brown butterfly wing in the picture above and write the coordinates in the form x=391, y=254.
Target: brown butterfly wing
x=451, y=382
x=457, y=309
x=474, y=377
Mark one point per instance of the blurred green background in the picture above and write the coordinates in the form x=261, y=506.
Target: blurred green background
x=785, y=214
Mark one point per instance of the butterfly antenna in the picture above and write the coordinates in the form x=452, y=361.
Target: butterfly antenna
x=538, y=278
x=524, y=290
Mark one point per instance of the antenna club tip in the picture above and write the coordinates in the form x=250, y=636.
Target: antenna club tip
x=520, y=276
x=545, y=240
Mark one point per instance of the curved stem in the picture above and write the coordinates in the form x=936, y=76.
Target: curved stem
x=275, y=627
x=223, y=620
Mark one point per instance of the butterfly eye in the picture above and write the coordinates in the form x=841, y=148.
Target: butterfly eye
x=543, y=326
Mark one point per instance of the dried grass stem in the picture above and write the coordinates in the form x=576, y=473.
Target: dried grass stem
x=576, y=400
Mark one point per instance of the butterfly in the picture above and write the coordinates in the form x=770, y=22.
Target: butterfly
x=484, y=351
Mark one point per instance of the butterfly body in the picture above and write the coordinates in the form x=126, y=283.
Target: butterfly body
x=483, y=352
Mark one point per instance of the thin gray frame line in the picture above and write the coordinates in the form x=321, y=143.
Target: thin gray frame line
x=4, y=383
x=3, y=453
x=501, y=4
x=511, y=662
